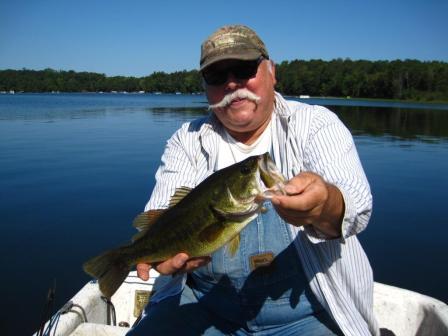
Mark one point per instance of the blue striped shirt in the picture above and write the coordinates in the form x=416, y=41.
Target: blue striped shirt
x=305, y=138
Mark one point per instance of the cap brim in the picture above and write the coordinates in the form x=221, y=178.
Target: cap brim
x=247, y=55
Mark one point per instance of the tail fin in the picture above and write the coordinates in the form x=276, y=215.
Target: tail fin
x=110, y=269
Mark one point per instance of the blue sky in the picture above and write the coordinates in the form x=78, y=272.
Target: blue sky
x=136, y=37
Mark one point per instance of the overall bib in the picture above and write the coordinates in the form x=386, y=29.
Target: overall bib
x=261, y=290
x=262, y=287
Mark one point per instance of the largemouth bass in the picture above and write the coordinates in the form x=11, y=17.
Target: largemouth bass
x=197, y=222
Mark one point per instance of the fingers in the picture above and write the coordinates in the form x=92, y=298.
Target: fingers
x=181, y=263
x=294, y=187
x=173, y=265
x=299, y=202
x=143, y=271
x=302, y=192
x=195, y=263
x=305, y=197
x=167, y=267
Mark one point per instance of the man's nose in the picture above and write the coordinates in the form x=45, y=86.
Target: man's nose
x=233, y=82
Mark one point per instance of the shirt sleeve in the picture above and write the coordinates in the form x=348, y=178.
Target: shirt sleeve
x=177, y=169
x=330, y=152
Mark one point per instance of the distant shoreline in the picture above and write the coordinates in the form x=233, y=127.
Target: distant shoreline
x=435, y=102
x=400, y=80
x=318, y=100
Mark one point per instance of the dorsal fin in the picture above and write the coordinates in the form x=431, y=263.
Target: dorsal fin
x=144, y=221
x=179, y=194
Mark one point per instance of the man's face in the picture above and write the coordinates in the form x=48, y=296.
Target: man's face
x=243, y=115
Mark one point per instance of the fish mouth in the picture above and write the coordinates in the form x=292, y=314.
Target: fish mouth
x=270, y=175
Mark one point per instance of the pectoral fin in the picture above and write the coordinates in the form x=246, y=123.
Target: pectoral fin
x=234, y=245
x=211, y=233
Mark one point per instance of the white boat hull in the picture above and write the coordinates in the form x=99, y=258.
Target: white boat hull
x=399, y=312
x=406, y=312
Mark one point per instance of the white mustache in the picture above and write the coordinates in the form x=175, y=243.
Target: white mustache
x=238, y=94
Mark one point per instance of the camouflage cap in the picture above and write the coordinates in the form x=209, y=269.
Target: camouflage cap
x=231, y=42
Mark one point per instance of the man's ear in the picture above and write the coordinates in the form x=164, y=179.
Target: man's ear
x=271, y=68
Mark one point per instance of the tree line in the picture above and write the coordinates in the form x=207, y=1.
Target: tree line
x=50, y=80
x=398, y=79
x=408, y=79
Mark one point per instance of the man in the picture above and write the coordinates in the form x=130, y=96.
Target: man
x=314, y=277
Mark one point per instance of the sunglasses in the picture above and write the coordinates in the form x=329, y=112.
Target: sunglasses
x=241, y=70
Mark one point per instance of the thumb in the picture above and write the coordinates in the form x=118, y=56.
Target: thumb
x=143, y=271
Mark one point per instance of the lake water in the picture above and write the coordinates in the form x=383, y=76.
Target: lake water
x=75, y=169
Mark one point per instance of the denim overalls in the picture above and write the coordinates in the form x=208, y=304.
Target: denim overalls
x=231, y=296
x=257, y=298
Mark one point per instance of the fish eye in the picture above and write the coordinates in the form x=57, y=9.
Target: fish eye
x=245, y=170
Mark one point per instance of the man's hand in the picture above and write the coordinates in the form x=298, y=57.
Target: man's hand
x=309, y=200
x=180, y=263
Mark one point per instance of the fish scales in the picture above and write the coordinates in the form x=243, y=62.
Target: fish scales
x=200, y=222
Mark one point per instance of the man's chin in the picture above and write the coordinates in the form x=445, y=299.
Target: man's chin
x=240, y=108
